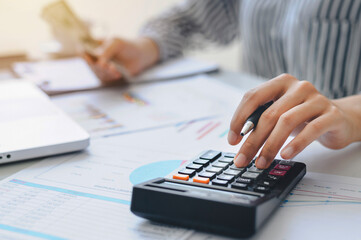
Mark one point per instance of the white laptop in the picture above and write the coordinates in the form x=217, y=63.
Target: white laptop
x=32, y=126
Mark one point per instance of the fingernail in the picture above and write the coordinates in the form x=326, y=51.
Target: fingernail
x=261, y=162
x=287, y=152
x=232, y=137
x=240, y=160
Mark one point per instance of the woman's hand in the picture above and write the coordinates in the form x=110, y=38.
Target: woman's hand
x=298, y=107
x=134, y=56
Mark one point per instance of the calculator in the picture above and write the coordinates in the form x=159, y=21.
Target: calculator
x=209, y=193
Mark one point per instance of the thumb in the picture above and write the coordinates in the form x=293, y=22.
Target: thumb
x=109, y=51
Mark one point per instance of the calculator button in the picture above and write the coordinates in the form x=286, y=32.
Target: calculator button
x=283, y=167
x=201, y=180
x=287, y=162
x=181, y=177
x=236, y=168
x=232, y=172
x=220, y=165
x=210, y=175
x=244, y=180
x=220, y=183
x=242, y=186
x=250, y=175
x=226, y=160
x=225, y=177
x=189, y=172
x=229, y=155
x=277, y=172
x=211, y=155
x=272, y=178
x=254, y=169
x=214, y=169
x=196, y=167
x=261, y=189
x=202, y=162
x=267, y=183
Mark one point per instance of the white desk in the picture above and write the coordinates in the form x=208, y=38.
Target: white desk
x=345, y=162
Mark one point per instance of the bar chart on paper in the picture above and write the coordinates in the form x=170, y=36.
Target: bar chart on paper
x=109, y=112
x=201, y=129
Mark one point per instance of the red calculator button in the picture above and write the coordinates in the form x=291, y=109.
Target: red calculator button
x=277, y=172
x=181, y=177
x=201, y=180
x=283, y=167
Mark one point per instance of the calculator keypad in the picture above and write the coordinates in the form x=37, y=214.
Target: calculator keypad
x=217, y=168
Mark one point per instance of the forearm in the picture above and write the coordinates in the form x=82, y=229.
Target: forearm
x=179, y=27
x=351, y=106
x=150, y=51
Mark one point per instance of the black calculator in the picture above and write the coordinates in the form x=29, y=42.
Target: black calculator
x=210, y=193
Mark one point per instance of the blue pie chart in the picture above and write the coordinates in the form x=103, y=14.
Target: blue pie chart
x=153, y=170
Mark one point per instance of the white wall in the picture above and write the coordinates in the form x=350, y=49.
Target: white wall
x=22, y=28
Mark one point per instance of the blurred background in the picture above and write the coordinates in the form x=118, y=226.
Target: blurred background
x=23, y=30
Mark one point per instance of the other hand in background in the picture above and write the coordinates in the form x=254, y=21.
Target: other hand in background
x=134, y=56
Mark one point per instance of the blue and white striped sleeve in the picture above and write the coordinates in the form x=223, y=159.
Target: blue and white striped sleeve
x=190, y=23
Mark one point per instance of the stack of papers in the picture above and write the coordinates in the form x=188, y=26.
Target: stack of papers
x=87, y=195
x=74, y=74
x=108, y=112
x=142, y=132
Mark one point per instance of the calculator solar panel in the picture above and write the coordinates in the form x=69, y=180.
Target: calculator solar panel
x=210, y=193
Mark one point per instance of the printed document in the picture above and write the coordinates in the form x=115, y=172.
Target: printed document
x=87, y=195
x=74, y=74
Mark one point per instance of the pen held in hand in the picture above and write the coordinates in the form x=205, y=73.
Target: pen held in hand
x=252, y=120
x=123, y=71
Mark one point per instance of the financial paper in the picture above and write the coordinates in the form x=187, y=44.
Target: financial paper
x=177, y=68
x=59, y=76
x=74, y=74
x=87, y=195
x=108, y=112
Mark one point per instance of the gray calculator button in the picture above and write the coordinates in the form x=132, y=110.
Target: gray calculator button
x=202, y=162
x=211, y=155
x=286, y=162
x=210, y=175
x=219, y=182
x=226, y=160
x=242, y=186
x=214, y=169
x=255, y=169
x=236, y=168
x=229, y=155
x=220, y=165
x=251, y=175
x=196, y=167
x=225, y=177
x=232, y=172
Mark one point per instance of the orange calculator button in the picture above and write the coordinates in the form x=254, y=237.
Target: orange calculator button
x=181, y=177
x=201, y=180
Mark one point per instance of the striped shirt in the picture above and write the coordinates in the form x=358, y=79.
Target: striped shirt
x=314, y=40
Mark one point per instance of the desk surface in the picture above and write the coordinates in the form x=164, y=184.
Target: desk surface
x=345, y=162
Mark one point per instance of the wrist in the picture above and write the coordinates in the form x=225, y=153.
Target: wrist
x=149, y=51
x=351, y=106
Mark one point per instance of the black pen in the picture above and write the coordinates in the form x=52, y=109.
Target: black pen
x=252, y=120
